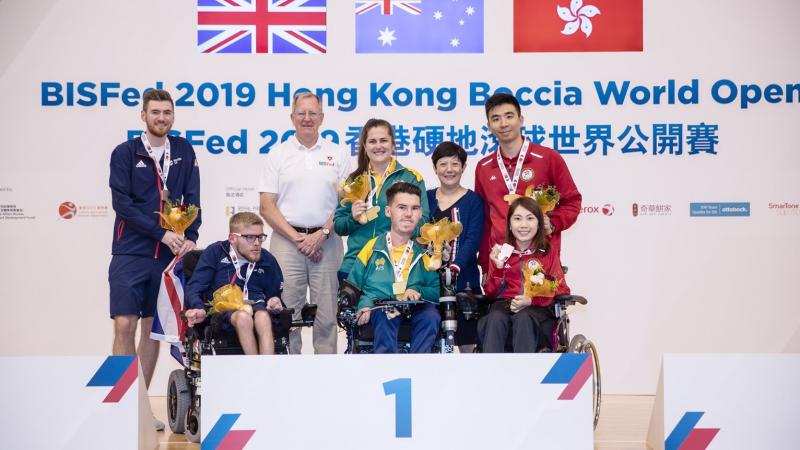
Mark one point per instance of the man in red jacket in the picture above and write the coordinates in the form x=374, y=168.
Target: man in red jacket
x=517, y=164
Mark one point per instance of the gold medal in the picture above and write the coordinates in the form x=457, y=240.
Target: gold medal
x=372, y=213
x=399, y=287
x=511, y=197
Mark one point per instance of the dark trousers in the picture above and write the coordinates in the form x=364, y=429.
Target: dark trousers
x=425, y=321
x=527, y=329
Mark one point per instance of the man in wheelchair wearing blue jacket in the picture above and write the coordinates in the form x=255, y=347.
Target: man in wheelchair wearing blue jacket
x=394, y=266
x=240, y=260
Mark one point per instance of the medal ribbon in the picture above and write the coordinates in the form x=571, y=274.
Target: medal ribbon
x=250, y=267
x=372, y=194
x=398, y=268
x=511, y=184
x=162, y=173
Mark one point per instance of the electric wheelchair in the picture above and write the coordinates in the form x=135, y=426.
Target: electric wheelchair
x=468, y=306
x=212, y=337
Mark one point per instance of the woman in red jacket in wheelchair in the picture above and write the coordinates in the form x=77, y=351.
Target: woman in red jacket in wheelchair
x=526, y=321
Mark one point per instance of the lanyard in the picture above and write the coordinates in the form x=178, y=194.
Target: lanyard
x=373, y=192
x=162, y=173
x=398, y=268
x=511, y=184
x=456, y=219
x=250, y=267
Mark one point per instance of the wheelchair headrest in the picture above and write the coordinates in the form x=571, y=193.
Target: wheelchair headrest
x=190, y=262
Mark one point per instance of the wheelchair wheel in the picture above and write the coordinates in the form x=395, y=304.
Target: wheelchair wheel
x=193, y=425
x=579, y=344
x=178, y=400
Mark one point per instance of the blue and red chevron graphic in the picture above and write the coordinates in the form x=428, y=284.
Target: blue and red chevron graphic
x=221, y=437
x=572, y=369
x=686, y=437
x=119, y=372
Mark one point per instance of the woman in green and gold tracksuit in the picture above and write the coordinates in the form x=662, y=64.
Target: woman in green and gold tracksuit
x=376, y=157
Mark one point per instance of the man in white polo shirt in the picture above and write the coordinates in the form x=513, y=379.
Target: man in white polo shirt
x=298, y=198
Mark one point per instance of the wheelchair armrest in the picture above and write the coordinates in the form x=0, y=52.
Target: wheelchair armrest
x=568, y=300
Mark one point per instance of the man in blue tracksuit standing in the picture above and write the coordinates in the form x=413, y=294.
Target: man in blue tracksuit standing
x=145, y=172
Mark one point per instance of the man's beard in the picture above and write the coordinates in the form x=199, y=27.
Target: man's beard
x=155, y=133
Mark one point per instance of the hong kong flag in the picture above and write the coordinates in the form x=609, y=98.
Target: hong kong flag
x=577, y=25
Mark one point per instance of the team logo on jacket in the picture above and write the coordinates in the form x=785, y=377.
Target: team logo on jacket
x=527, y=174
x=141, y=164
x=225, y=260
x=533, y=264
x=380, y=264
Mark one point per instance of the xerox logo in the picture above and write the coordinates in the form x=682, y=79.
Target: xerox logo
x=606, y=210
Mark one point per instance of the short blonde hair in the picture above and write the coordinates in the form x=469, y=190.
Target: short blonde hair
x=243, y=219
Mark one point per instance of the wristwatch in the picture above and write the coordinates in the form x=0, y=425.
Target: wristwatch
x=326, y=232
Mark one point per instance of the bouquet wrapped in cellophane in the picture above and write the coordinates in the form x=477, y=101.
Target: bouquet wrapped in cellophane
x=353, y=190
x=536, y=282
x=546, y=197
x=230, y=298
x=178, y=217
x=437, y=234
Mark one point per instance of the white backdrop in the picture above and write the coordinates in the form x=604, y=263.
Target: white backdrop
x=657, y=282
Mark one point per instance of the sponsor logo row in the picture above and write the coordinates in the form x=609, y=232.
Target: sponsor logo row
x=69, y=210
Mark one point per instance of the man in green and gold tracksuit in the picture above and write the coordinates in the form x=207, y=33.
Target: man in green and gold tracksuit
x=393, y=265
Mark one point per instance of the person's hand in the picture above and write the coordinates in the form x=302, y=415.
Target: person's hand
x=519, y=302
x=173, y=240
x=363, y=315
x=316, y=257
x=548, y=226
x=495, y=257
x=359, y=207
x=274, y=305
x=186, y=247
x=411, y=294
x=194, y=316
x=310, y=243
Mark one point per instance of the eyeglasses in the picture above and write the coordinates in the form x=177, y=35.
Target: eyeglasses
x=309, y=114
x=252, y=238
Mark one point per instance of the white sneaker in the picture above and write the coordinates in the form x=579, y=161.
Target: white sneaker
x=159, y=424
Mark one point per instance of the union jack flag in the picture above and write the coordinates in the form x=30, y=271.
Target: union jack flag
x=167, y=323
x=387, y=6
x=261, y=26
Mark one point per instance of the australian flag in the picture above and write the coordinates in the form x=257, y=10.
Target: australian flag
x=419, y=26
x=167, y=323
x=261, y=26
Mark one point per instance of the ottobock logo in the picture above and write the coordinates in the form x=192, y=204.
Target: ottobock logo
x=606, y=210
x=720, y=209
x=577, y=16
